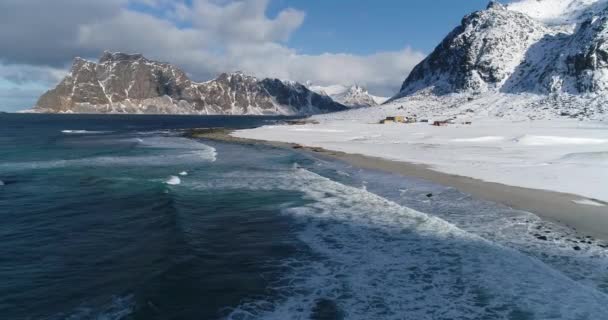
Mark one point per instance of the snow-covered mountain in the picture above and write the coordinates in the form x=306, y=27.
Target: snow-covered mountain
x=353, y=96
x=130, y=83
x=479, y=55
x=557, y=13
x=544, y=54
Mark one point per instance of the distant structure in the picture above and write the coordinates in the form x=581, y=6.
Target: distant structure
x=398, y=119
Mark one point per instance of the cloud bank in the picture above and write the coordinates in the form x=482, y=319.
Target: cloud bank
x=204, y=37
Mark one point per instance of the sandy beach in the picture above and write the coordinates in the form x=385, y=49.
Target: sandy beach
x=562, y=208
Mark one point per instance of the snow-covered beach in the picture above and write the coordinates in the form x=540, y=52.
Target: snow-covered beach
x=512, y=162
x=562, y=156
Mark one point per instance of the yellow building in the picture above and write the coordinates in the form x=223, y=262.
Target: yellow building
x=395, y=119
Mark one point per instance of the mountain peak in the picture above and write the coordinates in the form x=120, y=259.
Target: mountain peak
x=353, y=96
x=479, y=55
x=495, y=5
x=108, y=56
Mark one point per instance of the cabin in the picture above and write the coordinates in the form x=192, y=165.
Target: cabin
x=441, y=123
x=395, y=119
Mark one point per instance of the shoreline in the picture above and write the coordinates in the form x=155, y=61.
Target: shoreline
x=587, y=220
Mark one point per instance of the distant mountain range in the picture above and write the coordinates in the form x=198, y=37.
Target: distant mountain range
x=352, y=97
x=130, y=83
x=538, y=58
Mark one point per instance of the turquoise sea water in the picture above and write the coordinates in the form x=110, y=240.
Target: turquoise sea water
x=120, y=217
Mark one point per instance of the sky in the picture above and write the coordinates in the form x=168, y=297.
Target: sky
x=371, y=43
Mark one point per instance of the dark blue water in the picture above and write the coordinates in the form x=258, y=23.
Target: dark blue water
x=89, y=226
x=120, y=217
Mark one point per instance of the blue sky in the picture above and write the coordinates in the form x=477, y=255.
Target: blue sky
x=373, y=43
x=364, y=26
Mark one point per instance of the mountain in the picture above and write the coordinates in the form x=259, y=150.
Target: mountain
x=559, y=13
x=545, y=57
x=353, y=96
x=479, y=55
x=130, y=83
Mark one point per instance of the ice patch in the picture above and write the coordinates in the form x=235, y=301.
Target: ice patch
x=173, y=180
x=589, y=202
x=586, y=157
x=317, y=130
x=365, y=138
x=532, y=140
x=480, y=139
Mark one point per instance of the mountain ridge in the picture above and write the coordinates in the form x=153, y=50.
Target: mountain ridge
x=353, y=96
x=131, y=83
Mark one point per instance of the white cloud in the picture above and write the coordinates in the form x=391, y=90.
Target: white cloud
x=205, y=38
x=25, y=74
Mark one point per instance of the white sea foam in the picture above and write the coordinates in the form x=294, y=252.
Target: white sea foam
x=1, y=183
x=377, y=259
x=177, y=143
x=83, y=132
x=173, y=180
x=119, y=308
x=175, y=151
x=183, y=173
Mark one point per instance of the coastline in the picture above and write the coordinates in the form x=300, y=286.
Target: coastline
x=558, y=207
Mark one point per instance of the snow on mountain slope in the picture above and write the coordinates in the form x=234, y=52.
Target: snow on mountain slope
x=130, y=83
x=353, y=96
x=479, y=55
x=526, y=66
x=559, y=12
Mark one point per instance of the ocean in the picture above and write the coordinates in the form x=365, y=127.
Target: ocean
x=122, y=217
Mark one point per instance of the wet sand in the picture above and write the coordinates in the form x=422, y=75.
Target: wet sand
x=558, y=207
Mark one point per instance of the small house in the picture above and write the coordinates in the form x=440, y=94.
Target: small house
x=394, y=119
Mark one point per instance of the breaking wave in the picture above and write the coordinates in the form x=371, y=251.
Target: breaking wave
x=83, y=132
x=173, y=181
x=119, y=308
x=172, y=151
x=372, y=258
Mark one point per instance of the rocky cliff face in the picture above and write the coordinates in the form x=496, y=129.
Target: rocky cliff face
x=130, y=83
x=581, y=66
x=479, y=55
x=502, y=50
x=534, y=59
